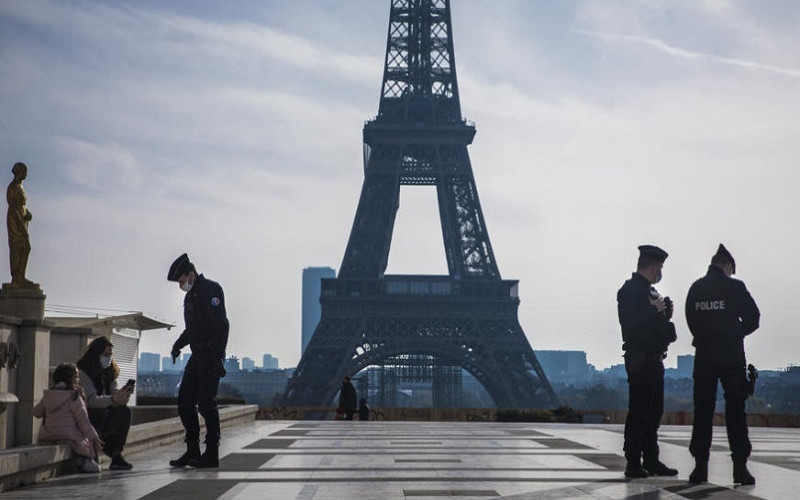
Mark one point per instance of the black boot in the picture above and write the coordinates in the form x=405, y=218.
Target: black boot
x=700, y=472
x=634, y=469
x=210, y=458
x=191, y=457
x=657, y=468
x=740, y=473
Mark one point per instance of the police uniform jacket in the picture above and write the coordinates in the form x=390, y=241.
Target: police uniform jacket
x=205, y=319
x=720, y=311
x=643, y=328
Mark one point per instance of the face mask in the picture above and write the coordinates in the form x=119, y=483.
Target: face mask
x=657, y=278
x=186, y=286
x=105, y=361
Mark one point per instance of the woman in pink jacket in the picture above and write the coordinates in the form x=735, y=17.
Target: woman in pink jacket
x=65, y=418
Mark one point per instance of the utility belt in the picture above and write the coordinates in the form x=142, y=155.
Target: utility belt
x=637, y=360
x=645, y=354
x=200, y=349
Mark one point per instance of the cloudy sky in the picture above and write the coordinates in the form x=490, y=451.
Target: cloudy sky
x=232, y=130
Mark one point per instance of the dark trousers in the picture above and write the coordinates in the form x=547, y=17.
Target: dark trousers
x=113, y=424
x=198, y=392
x=728, y=367
x=645, y=406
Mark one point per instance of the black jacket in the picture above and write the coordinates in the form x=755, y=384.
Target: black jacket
x=205, y=318
x=720, y=311
x=347, y=397
x=643, y=328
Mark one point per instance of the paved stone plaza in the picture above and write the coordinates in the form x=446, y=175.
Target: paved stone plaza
x=422, y=460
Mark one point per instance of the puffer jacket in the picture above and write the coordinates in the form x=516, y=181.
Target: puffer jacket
x=66, y=419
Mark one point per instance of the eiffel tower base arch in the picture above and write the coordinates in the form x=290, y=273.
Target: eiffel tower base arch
x=481, y=335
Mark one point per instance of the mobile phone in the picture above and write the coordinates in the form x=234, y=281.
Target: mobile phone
x=130, y=383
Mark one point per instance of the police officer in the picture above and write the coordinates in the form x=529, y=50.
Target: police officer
x=720, y=313
x=206, y=334
x=644, y=317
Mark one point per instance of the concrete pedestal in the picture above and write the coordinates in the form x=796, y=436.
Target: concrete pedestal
x=31, y=376
x=33, y=373
x=24, y=303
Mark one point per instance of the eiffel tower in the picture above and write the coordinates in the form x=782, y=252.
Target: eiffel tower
x=466, y=319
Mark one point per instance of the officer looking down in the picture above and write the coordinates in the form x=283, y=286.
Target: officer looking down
x=207, y=334
x=720, y=312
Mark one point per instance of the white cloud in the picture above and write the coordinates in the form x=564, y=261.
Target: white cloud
x=96, y=166
x=662, y=46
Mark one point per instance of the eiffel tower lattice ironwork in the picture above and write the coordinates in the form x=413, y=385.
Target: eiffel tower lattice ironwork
x=468, y=318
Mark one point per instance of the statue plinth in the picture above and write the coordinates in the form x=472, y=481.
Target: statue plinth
x=26, y=302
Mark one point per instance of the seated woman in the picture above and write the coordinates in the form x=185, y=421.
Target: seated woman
x=107, y=403
x=65, y=418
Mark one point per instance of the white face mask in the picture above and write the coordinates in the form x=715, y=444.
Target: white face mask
x=105, y=361
x=187, y=285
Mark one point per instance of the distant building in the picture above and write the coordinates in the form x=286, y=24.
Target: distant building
x=685, y=365
x=180, y=363
x=270, y=362
x=232, y=365
x=617, y=371
x=149, y=362
x=248, y=364
x=256, y=387
x=311, y=307
x=791, y=376
x=685, y=368
x=566, y=367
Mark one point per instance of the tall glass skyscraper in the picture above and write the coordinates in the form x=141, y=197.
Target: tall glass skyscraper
x=311, y=307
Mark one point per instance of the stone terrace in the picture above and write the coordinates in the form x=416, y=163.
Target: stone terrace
x=422, y=460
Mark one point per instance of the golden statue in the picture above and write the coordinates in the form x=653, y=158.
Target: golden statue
x=19, y=243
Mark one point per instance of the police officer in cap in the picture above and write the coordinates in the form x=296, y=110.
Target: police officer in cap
x=720, y=313
x=206, y=334
x=647, y=331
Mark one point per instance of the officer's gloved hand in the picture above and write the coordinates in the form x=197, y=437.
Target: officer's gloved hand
x=219, y=368
x=669, y=308
x=176, y=352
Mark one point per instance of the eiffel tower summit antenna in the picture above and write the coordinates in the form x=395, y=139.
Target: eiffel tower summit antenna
x=466, y=319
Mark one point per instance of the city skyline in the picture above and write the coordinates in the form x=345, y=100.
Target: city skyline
x=233, y=132
x=147, y=362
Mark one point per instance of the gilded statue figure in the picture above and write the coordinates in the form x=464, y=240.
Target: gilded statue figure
x=19, y=243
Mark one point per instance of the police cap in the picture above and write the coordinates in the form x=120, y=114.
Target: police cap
x=652, y=252
x=725, y=255
x=181, y=266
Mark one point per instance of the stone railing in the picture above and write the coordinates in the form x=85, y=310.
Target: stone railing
x=490, y=415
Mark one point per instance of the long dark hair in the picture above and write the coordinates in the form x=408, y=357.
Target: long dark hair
x=90, y=361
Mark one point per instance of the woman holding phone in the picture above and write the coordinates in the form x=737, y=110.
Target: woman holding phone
x=107, y=403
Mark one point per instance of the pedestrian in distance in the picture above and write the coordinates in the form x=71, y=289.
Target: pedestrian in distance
x=65, y=418
x=206, y=333
x=720, y=313
x=106, y=400
x=348, y=398
x=363, y=410
x=644, y=317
